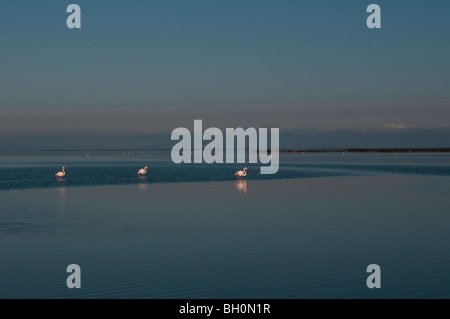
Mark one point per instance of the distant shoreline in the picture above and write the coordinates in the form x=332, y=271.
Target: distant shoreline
x=127, y=151
x=368, y=150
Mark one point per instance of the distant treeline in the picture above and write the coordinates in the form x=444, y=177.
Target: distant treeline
x=371, y=150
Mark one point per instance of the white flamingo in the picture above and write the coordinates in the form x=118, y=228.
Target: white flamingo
x=61, y=174
x=241, y=173
x=142, y=171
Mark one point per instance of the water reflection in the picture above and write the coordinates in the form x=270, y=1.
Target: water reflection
x=61, y=191
x=241, y=186
x=61, y=200
x=143, y=187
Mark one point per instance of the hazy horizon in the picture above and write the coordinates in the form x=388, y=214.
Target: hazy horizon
x=299, y=139
x=137, y=71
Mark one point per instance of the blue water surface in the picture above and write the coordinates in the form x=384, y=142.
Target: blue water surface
x=84, y=168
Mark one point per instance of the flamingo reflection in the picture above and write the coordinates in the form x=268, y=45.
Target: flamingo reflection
x=241, y=186
x=143, y=186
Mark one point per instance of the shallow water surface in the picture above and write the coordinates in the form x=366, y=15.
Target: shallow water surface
x=291, y=238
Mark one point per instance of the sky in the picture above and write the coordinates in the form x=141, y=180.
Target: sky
x=139, y=69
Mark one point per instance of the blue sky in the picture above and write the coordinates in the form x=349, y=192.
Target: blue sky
x=147, y=67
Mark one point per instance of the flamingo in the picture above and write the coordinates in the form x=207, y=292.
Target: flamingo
x=241, y=173
x=61, y=174
x=142, y=171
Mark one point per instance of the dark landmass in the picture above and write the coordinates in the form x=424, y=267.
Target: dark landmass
x=370, y=150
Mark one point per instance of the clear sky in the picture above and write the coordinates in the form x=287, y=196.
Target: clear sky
x=147, y=67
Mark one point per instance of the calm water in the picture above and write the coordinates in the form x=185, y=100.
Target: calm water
x=309, y=232
x=37, y=169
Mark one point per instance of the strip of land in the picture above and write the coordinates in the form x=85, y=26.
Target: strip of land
x=369, y=150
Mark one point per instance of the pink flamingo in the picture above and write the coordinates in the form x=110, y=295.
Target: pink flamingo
x=142, y=171
x=61, y=174
x=241, y=173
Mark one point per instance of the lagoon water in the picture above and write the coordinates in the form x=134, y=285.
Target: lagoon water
x=193, y=231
